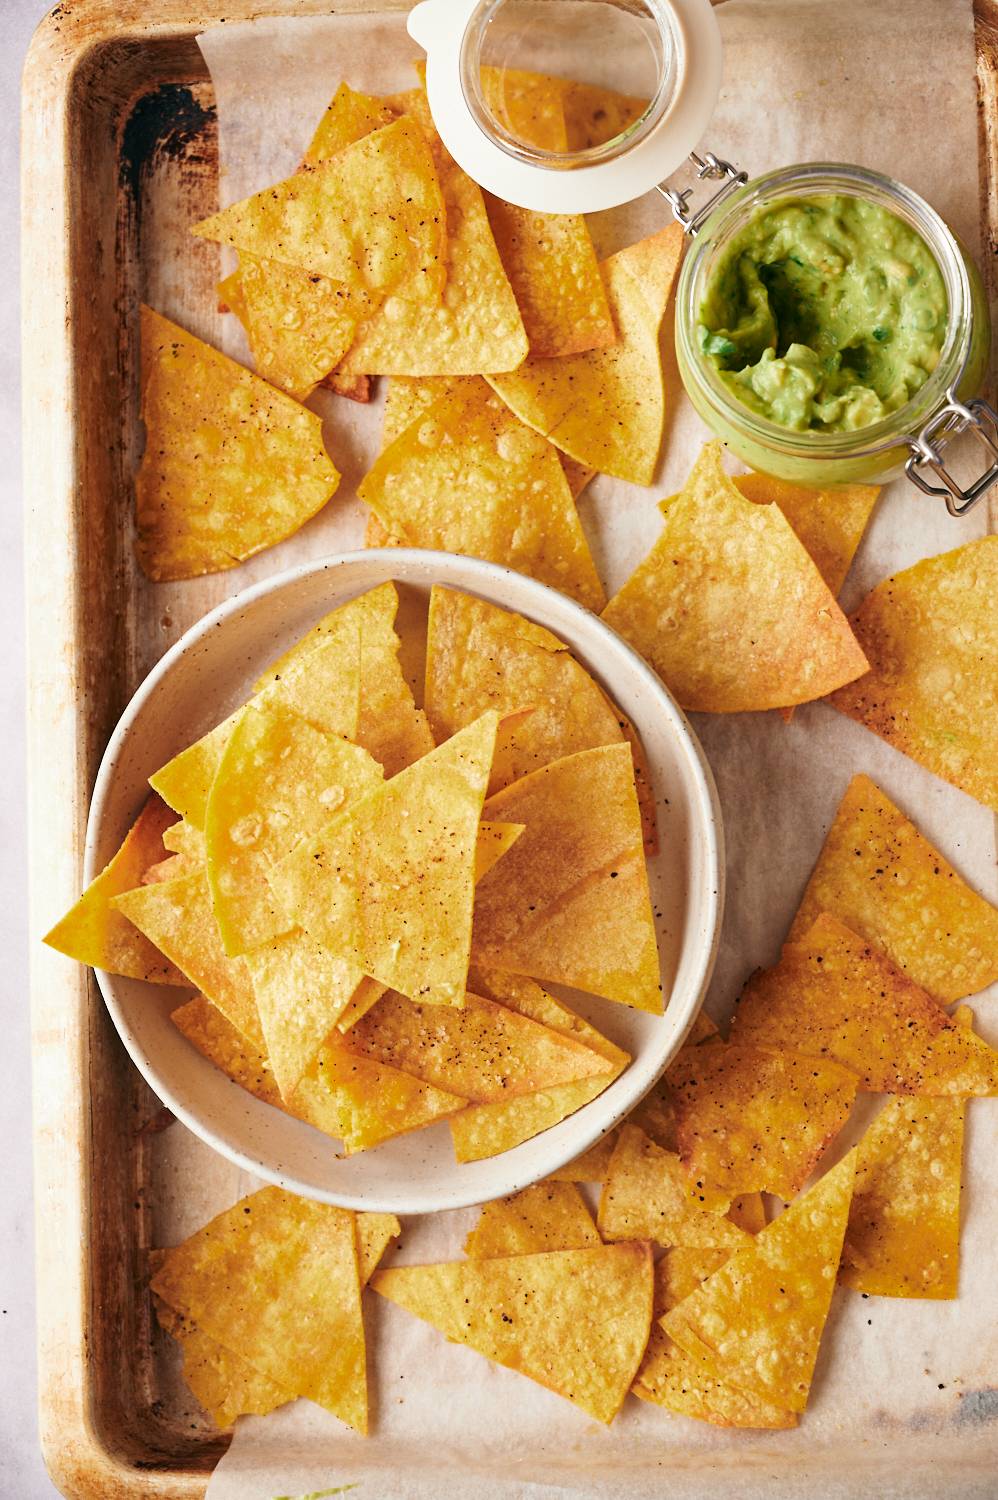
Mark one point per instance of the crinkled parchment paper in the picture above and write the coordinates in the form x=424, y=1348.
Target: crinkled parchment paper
x=900, y=1385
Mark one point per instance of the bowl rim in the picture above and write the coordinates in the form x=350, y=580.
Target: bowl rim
x=706, y=821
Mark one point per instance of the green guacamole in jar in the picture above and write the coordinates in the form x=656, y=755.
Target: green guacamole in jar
x=824, y=314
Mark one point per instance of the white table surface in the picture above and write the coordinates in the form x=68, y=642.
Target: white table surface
x=22, y=1473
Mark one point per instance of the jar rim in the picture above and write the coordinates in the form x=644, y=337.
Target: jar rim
x=849, y=181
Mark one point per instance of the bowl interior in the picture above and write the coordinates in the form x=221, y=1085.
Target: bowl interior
x=208, y=674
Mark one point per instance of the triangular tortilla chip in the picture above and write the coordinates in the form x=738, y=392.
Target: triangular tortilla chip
x=756, y=1323
x=749, y=1120
x=479, y=656
x=95, y=932
x=480, y=1049
x=186, y=840
x=348, y=117
x=243, y=1060
x=488, y=1129
x=185, y=781
x=729, y=608
x=931, y=636
x=389, y=884
x=279, y=781
x=231, y=465
x=834, y=995
x=595, y=115
x=309, y=1339
x=177, y=916
x=570, y=902
x=546, y=1216
x=606, y=408
x=469, y=477
x=830, y=523
x=748, y=1211
x=494, y=840
x=391, y=727
x=575, y=1321
x=672, y=1378
x=885, y=881
x=647, y=1195
x=903, y=1236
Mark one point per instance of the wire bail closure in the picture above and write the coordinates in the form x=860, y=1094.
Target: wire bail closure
x=708, y=167
x=977, y=417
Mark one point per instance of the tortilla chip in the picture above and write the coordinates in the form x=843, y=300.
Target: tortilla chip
x=833, y=995
x=349, y=117
x=729, y=608
x=547, y=1216
x=595, y=115
x=576, y=1321
x=606, y=408
x=391, y=727
x=350, y=387
x=757, y=1321
x=931, y=637
x=480, y=1049
x=885, y=881
x=527, y=105
x=494, y=839
x=177, y=916
x=231, y=465
x=748, y=1211
x=185, y=781
x=95, y=932
x=487, y=1129
x=224, y=1383
x=591, y=1165
x=672, y=1378
x=310, y=1338
x=471, y=478
x=647, y=1195
x=830, y=523
x=749, y=1120
x=279, y=781
x=239, y=1058
x=570, y=902
x=479, y=656
x=388, y=885
x=186, y=840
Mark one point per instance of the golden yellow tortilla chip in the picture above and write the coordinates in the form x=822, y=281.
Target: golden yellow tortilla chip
x=595, y=115
x=481, y=1050
x=185, y=781
x=470, y=478
x=748, y=1211
x=547, y=1216
x=749, y=1120
x=527, y=105
x=278, y=781
x=729, y=608
x=830, y=523
x=389, y=883
x=931, y=636
x=834, y=995
x=177, y=916
x=647, y=1195
x=494, y=839
x=186, y=840
x=903, y=1235
x=885, y=881
x=243, y=1060
x=606, y=408
x=576, y=1321
x=757, y=1321
x=479, y=656
x=309, y=1339
x=390, y=727
x=570, y=901
x=487, y=1129
x=231, y=465
x=349, y=117
x=94, y=932
x=591, y=1165
x=672, y=1378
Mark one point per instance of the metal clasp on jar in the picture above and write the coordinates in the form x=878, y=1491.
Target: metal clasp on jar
x=712, y=168
x=976, y=417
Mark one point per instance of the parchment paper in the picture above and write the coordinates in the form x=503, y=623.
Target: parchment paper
x=888, y=85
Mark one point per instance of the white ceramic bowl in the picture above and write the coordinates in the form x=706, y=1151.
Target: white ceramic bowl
x=207, y=674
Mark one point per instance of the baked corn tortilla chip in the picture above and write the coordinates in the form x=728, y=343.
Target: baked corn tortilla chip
x=488, y=1129
x=494, y=840
x=546, y=1216
x=834, y=995
x=729, y=608
x=830, y=523
x=95, y=932
x=348, y=117
x=481, y=1049
x=595, y=115
x=529, y=106
x=591, y=1165
x=388, y=885
x=648, y=1195
x=184, y=839
x=469, y=477
x=185, y=781
x=575, y=1321
x=750, y=1120
x=479, y=656
x=243, y=1060
x=882, y=878
x=748, y=1211
x=606, y=408
x=757, y=1321
x=231, y=464
x=931, y=637
x=570, y=901
x=310, y=1338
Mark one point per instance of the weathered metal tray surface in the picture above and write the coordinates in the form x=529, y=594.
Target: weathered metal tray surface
x=119, y=157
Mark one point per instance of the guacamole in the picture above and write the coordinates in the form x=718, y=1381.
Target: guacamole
x=824, y=314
